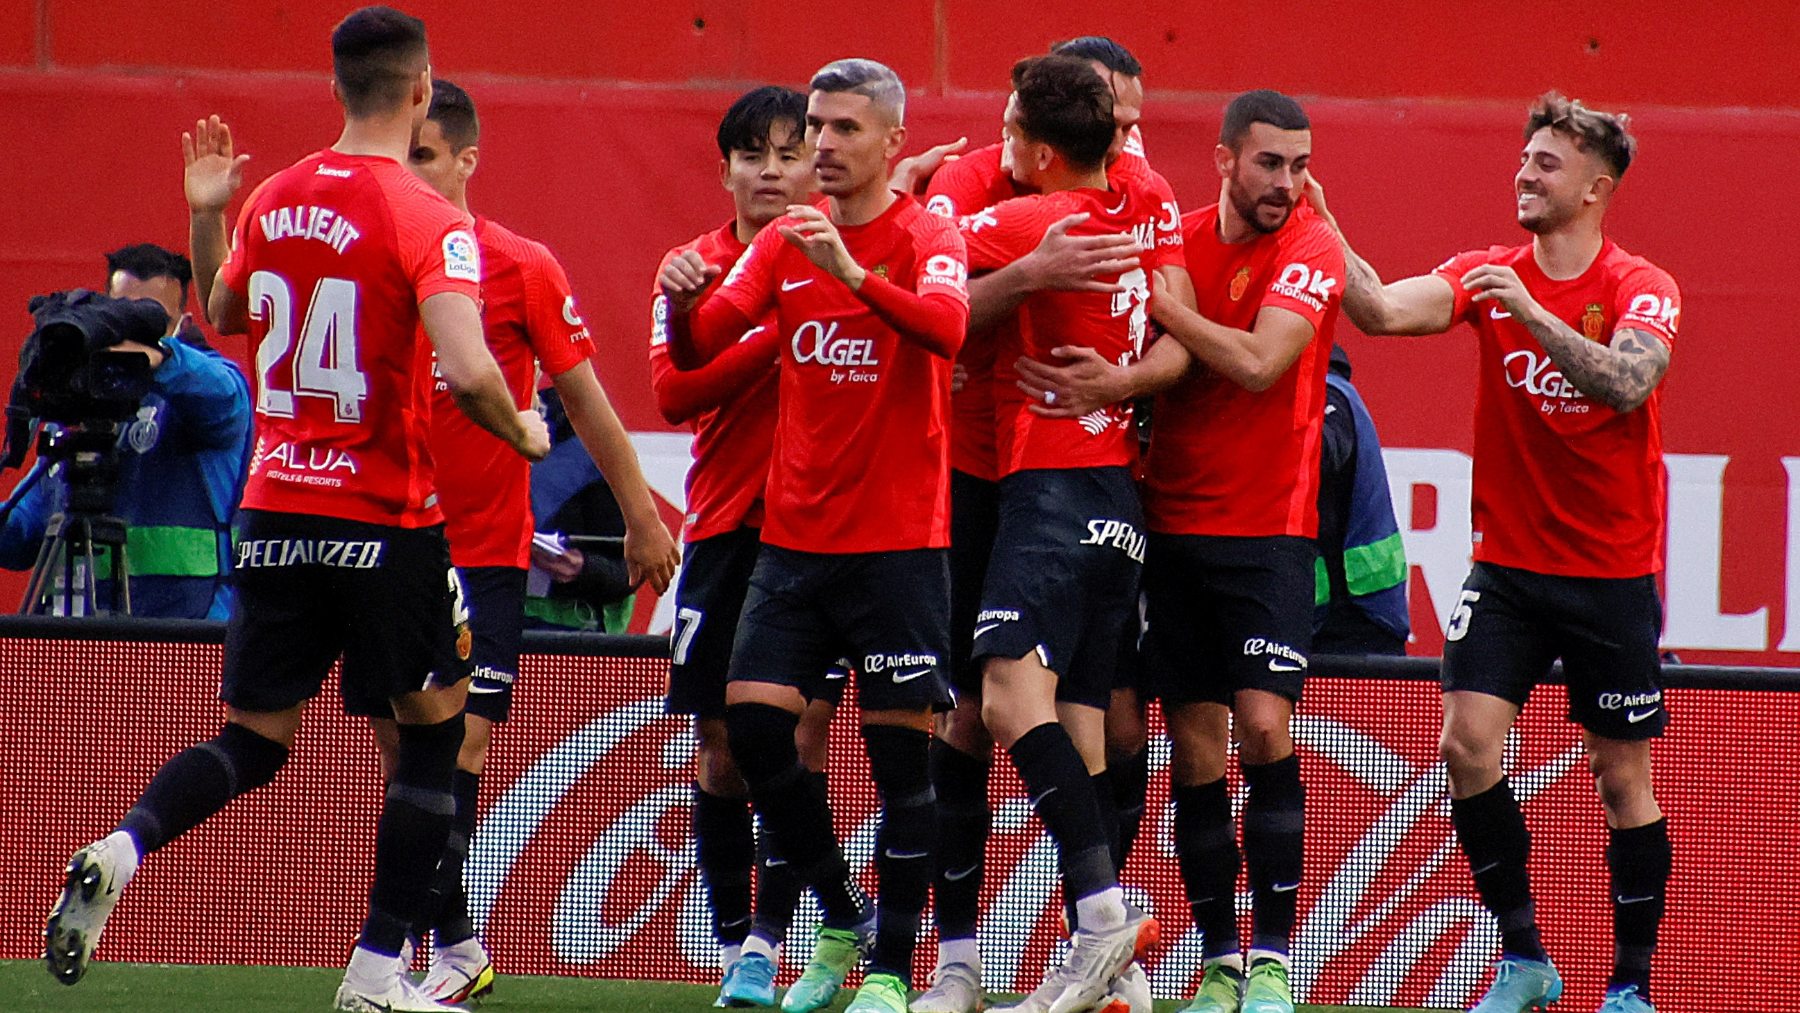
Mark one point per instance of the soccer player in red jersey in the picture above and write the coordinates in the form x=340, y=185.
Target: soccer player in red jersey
x=870, y=302
x=530, y=322
x=1061, y=588
x=765, y=165
x=1231, y=496
x=333, y=265
x=1573, y=336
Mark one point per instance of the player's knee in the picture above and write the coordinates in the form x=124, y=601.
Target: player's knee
x=478, y=735
x=762, y=742
x=899, y=764
x=1621, y=775
x=713, y=766
x=813, y=738
x=1127, y=730
x=251, y=760
x=1468, y=756
x=427, y=757
x=1264, y=740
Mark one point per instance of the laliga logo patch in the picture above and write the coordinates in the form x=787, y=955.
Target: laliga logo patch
x=462, y=259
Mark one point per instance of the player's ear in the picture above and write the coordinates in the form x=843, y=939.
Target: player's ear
x=467, y=159
x=422, y=88
x=337, y=94
x=1601, y=190
x=725, y=173
x=1224, y=158
x=896, y=140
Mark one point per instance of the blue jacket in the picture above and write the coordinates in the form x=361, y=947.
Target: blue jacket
x=182, y=468
x=1362, y=563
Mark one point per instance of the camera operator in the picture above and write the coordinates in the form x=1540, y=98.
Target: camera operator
x=182, y=458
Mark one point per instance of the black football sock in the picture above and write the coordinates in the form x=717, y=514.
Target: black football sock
x=453, y=924
x=794, y=814
x=1130, y=777
x=1640, y=859
x=777, y=887
x=964, y=823
x=1274, y=831
x=724, y=847
x=1062, y=794
x=200, y=781
x=905, y=843
x=415, y=821
x=1206, y=847
x=1491, y=829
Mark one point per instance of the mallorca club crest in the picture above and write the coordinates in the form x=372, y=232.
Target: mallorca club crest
x=1593, y=321
x=1240, y=282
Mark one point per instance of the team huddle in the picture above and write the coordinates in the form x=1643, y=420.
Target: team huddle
x=919, y=466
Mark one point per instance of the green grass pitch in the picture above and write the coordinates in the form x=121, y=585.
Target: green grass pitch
x=25, y=987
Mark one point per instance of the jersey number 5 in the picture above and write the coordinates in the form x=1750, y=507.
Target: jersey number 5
x=325, y=363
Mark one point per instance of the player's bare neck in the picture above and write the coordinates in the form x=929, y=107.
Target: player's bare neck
x=1076, y=179
x=1569, y=252
x=383, y=138
x=863, y=206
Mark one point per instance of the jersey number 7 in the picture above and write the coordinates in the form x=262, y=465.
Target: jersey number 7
x=325, y=363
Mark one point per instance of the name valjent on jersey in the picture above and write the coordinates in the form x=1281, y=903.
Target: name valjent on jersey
x=309, y=221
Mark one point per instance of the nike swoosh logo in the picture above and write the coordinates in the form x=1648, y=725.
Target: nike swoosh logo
x=1033, y=802
x=789, y=286
x=1121, y=207
x=773, y=862
x=1634, y=900
x=836, y=673
x=1277, y=665
x=958, y=875
x=1486, y=868
x=1635, y=716
x=740, y=921
x=903, y=855
x=900, y=677
x=979, y=630
x=1285, y=887
x=485, y=689
x=1499, y=314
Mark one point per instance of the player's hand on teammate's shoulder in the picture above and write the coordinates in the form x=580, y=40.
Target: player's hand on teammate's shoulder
x=913, y=173
x=651, y=554
x=534, y=445
x=1500, y=283
x=214, y=171
x=1082, y=382
x=684, y=277
x=815, y=235
x=1314, y=194
x=1078, y=263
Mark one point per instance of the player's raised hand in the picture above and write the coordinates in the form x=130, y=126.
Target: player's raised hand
x=1079, y=263
x=651, y=555
x=1083, y=382
x=1314, y=194
x=1501, y=284
x=820, y=240
x=214, y=170
x=913, y=173
x=535, y=445
x=684, y=277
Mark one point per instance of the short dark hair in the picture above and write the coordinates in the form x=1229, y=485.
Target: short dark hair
x=868, y=78
x=1064, y=104
x=145, y=261
x=375, y=53
x=1110, y=54
x=1260, y=106
x=454, y=112
x=1607, y=135
x=750, y=120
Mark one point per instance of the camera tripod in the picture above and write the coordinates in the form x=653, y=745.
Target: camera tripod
x=64, y=581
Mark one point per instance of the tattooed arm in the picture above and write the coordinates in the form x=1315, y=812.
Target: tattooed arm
x=1620, y=375
x=1422, y=305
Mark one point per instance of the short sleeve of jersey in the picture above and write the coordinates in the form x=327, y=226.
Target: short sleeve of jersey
x=437, y=248
x=997, y=236
x=1311, y=275
x=558, y=337
x=1452, y=271
x=235, y=269
x=1646, y=299
x=943, y=259
x=1170, y=239
x=957, y=189
x=750, y=284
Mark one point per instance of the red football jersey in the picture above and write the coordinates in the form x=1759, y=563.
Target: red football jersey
x=861, y=460
x=965, y=186
x=528, y=314
x=334, y=255
x=733, y=441
x=1224, y=460
x=1563, y=484
x=1115, y=325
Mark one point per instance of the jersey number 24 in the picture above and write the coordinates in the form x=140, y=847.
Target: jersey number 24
x=324, y=364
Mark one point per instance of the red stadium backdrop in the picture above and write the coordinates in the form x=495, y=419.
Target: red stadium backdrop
x=583, y=864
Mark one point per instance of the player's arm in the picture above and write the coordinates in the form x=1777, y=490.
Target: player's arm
x=913, y=173
x=453, y=323
x=650, y=551
x=1253, y=359
x=1060, y=261
x=934, y=321
x=1084, y=381
x=213, y=174
x=683, y=396
x=1620, y=374
x=1425, y=304
x=699, y=329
